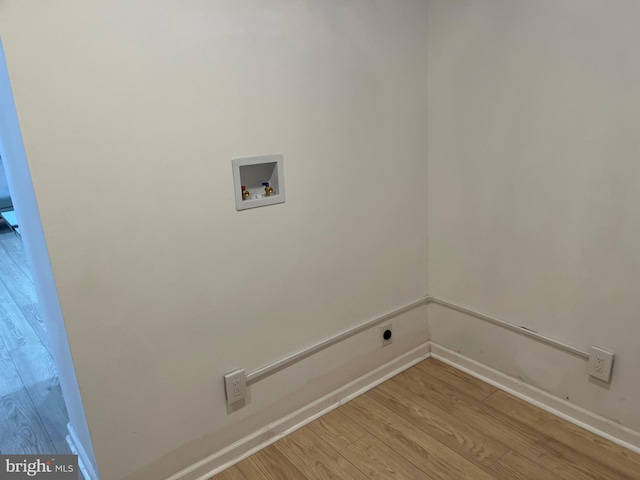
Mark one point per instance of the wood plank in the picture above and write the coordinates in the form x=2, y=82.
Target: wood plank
x=534, y=445
x=40, y=377
x=33, y=310
x=31, y=313
x=15, y=281
x=379, y=462
x=337, y=429
x=21, y=430
x=229, y=474
x=514, y=466
x=15, y=331
x=473, y=444
x=269, y=464
x=24, y=357
x=10, y=380
x=616, y=458
x=315, y=458
x=468, y=410
x=421, y=449
x=14, y=247
x=471, y=386
x=426, y=425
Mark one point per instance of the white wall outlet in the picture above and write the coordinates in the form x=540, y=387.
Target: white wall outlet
x=386, y=334
x=235, y=385
x=600, y=363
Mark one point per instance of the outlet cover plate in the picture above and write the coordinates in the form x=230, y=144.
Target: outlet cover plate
x=235, y=385
x=600, y=363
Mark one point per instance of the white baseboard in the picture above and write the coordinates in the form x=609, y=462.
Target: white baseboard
x=583, y=418
x=84, y=464
x=206, y=468
x=210, y=466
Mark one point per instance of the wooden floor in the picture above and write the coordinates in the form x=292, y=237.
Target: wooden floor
x=435, y=422
x=33, y=416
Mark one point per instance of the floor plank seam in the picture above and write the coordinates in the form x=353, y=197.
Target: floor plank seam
x=497, y=460
x=390, y=447
x=443, y=445
x=339, y=452
x=489, y=396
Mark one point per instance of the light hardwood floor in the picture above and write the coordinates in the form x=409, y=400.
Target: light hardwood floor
x=435, y=422
x=33, y=416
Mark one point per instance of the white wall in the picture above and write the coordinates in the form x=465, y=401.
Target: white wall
x=25, y=204
x=533, y=188
x=131, y=113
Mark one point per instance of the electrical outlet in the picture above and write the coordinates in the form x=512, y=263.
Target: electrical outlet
x=600, y=363
x=237, y=388
x=386, y=334
x=235, y=385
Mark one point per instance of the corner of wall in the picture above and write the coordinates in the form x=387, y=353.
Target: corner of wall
x=24, y=200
